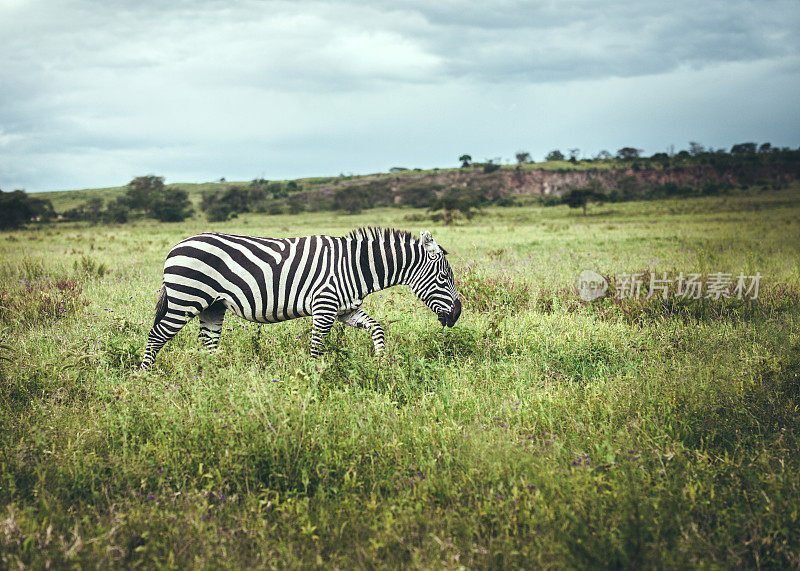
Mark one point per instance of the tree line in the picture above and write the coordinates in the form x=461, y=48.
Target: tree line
x=696, y=154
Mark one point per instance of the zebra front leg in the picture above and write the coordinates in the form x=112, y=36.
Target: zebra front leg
x=211, y=324
x=361, y=320
x=321, y=326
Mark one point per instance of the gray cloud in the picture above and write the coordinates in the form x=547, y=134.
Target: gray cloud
x=204, y=89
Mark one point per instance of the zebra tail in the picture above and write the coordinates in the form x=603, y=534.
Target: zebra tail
x=161, y=306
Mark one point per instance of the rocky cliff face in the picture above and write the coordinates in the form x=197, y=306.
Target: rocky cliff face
x=553, y=182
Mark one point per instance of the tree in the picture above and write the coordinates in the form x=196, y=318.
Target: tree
x=523, y=157
x=554, y=155
x=94, y=208
x=142, y=192
x=743, y=149
x=171, y=205
x=117, y=211
x=17, y=209
x=148, y=194
x=455, y=199
x=765, y=148
x=573, y=155
x=229, y=202
x=466, y=160
x=218, y=211
x=696, y=149
x=628, y=153
x=604, y=154
x=580, y=197
x=661, y=158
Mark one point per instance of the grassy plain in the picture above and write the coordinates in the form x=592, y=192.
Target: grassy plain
x=540, y=431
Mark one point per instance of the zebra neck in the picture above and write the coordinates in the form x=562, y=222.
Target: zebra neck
x=378, y=264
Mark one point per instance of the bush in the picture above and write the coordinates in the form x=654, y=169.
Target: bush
x=463, y=201
x=457, y=342
x=319, y=202
x=490, y=167
x=550, y=200
x=352, y=199
x=28, y=303
x=419, y=195
x=355, y=198
x=117, y=211
x=481, y=292
x=296, y=204
x=223, y=204
x=274, y=208
x=88, y=267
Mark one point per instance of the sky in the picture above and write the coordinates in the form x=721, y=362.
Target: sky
x=95, y=93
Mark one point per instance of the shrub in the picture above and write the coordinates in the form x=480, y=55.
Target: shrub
x=319, y=202
x=90, y=268
x=481, y=292
x=419, y=195
x=29, y=303
x=456, y=200
x=355, y=198
x=117, y=211
x=449, y=343
x=550, y=200
x=490, y=167
x=296, y=204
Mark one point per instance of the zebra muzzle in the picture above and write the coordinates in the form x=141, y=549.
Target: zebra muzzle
x=449, y=319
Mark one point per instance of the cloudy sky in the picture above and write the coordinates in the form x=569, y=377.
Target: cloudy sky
x=94, y=93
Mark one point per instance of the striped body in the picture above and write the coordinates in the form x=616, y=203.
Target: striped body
x=269, y=280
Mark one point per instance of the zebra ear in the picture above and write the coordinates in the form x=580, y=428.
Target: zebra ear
x=430, y=245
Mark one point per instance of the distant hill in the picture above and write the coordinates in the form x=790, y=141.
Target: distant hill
x=537, y=179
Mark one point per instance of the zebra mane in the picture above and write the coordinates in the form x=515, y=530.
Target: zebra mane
x=382, y=234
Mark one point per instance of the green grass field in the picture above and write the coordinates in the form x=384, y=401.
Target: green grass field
x=538, y=432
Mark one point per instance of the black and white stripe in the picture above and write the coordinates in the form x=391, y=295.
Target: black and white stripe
x=275, y=279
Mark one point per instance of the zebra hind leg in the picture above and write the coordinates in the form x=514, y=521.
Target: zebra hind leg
x=211, y=324
x=167, y=323
x=361, y=320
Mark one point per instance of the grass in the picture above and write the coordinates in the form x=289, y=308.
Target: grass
x=540, y=431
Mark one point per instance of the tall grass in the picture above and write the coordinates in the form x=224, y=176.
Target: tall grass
x=540, y=431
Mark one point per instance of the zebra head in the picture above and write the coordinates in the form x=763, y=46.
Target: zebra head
x=433, y=281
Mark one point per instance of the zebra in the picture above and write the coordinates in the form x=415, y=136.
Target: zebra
x=268, y=280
